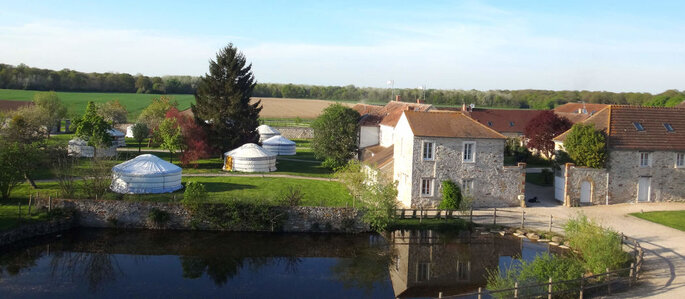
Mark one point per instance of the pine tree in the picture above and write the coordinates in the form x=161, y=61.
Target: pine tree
x=222, y=99
x=92, y=128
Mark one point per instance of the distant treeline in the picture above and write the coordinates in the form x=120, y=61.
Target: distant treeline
x=24, y=77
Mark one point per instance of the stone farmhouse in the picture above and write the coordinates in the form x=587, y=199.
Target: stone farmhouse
x=420, y=147
x=646, y=159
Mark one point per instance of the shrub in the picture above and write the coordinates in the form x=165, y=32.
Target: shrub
x=599, y=247
x=586, y=146
x=235, y=215
x=451, y=196
x=158, y=217
x=540, y=270
x=291, y=197
x=195, y=192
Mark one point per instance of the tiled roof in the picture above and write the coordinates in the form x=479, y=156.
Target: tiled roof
x=681, y=105
x=8, y=105
x=370, y=114
x=393, y=110
x=619, y=122
x=599, y=119
x=448, y=124
x=377, y=155
x=576, y=107
x=574, y=117
x=504, y=121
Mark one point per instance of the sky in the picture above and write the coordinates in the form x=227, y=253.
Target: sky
x=556, y=45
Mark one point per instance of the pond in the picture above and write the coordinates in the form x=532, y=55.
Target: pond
x=103, y=263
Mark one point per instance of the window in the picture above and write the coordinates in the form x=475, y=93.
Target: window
x=467, y=186
x=463, y=269
x=426, y=187
x=511, y=123
x=469, y=152
x=668, y=127
x=645, y=159
x=638, y=126
x=680, y=160
x=423, y=271
x=428, y=151
x=490, y=123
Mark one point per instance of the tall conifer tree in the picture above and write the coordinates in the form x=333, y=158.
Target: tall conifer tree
x=222, y=101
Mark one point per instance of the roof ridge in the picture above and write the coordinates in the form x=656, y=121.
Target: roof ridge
x=647, y=107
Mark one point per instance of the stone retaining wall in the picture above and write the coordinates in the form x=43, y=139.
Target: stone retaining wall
x=296, y=132
x=126, y=214
x=36, y=229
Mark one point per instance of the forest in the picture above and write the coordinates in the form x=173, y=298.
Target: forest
x=29, y=78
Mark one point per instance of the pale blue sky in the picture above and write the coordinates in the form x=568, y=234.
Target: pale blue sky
x=612, y=45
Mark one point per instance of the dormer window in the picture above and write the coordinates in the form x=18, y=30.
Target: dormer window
x=638, y=126
x=490, y=124
x=668, y=127
x=511, y=123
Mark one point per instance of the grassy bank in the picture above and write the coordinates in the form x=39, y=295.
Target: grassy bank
x=673, y=219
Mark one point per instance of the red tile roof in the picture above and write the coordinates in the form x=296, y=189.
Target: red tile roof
x=388, y=115
x=370, y=114
x=8, y=105
x=448, y=124
x=504, y=121
x=590, y=108
x=618, y=122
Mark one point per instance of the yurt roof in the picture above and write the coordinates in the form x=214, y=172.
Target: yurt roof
x=265, y=129
x=78, y=141
x=146, y=165
x=116, y=133
x=278, y=140
x=249, y=150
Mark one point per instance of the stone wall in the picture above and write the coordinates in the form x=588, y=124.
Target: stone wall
x=127, y=214
x=575, y=176
x=36, y=229
x=493, y=185
x=296, y=132
x=625, y=172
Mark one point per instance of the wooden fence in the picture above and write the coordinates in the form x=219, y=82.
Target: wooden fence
x=602, y=283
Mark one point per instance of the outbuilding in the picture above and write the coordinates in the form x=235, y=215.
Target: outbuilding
x=78, y=147
x=145, y=174
x=249, y=157
x=118, y=137
x=266, y=132
x=280, y=146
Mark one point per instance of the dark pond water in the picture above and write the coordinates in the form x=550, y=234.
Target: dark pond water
x=89, y=263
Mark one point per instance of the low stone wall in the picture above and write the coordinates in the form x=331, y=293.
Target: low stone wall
x=595, y=178
x=126, y=214
x=296, y=132
x=36, y=229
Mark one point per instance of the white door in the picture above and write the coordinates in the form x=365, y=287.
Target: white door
x=643, y=189
x=585, y=192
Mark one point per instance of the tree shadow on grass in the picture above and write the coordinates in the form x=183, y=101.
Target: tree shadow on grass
x=224, y=186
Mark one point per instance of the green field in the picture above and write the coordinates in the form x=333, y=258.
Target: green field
x=674, y=219
x=77, y=101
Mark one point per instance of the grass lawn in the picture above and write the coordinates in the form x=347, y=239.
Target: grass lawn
x=316, y=193
x=9, y=210
x=77, y=101
x=674, y=219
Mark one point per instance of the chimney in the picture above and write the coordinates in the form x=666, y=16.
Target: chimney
x=463, y=107
x=420, y=101
x=397, y=98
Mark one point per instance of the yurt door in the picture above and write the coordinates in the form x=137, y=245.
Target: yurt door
x=228, y=165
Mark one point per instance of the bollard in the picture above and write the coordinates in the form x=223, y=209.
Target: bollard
x=516, y=289
x=549, y=289
x=480, y=293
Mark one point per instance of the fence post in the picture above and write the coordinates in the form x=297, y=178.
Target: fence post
x=49, y=204
x=523, y=217
x=550, y=223
x=494, y=217
x=582, y=285
x=608, y=282
x=549, y=289
x=420, y=214
x=30, y=198
x=20, y=210
x=632, y=272
x=516, y=289
x=480, y=293
x=402, y=217
x=471, y=215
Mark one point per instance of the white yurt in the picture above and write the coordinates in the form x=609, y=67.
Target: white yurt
x=145, y=174
x=118, y=137
x=78, y=147
x=129, y=131
x=250, y=158
x=266, y=132
x=279, y=145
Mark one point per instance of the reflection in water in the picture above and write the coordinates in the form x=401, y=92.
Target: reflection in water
x=116, y=264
